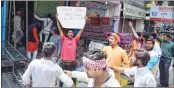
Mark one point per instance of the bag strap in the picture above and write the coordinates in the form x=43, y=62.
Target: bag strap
x=47, y=23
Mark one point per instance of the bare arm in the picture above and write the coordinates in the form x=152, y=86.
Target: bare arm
x=116, y=69
x=80, y=32
x=155, y=28
x=59, y=26
x=41, y=19
x=133, y=30
x=81, y=76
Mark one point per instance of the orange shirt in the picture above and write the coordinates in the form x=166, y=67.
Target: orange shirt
x=135, y=45
x=115, y=57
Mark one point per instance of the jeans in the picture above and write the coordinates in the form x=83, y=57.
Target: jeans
x=70, y=68
x=34, y=55
x=164, y=71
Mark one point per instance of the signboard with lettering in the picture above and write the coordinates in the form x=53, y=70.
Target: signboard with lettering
x=89, y=4
x=72, y=17
x=133, y=11
x=137, y=3
x=162, y=13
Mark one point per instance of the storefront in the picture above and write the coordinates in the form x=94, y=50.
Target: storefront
x=133, y=14
x=42, y=8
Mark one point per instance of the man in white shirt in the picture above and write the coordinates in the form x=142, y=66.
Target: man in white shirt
x=143, y=76
x=47, y=26
x=43, y=72
x=17, y=21
x=153, y=63
x=96, y=72
x=156, y=47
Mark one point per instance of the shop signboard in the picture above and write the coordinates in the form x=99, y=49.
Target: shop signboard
x=72, y=17
x=162, y=13
x=133, y=11
x=89, y=4
x=137, y=3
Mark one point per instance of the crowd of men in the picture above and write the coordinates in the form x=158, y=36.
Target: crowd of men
x=148, y=61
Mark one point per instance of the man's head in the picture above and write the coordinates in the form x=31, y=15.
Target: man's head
x=167, y=37
x=142, y=57
x=70, y=33
x=150, y=44
x=139, y=34
x=153, y=35
x=114, y=38
x=54, y=30
x=49, y=15
x=48, y=49
x=18, y=12
x=94, y=62
x=145, y=36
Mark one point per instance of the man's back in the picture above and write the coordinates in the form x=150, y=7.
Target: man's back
x=44, y=74
x=143, y=76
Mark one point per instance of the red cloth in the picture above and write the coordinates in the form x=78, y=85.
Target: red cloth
x=33, y=46
x=69, y=48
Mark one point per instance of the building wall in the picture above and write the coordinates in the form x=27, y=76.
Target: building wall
x=139, y=25
x=114, y=12
x=133, y=14
x=44, y=7
x=124, y=25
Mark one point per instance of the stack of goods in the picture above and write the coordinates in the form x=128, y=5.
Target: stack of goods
x=96, y=45
x=97, y=27
x=79, y=53
x=125, y=39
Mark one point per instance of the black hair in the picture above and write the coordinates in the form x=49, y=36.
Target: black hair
x=143, y=55
x=139, y=34
x=154, y=35
x=146, y=35
x=151, y=39
x=54, y=29
x=167, y=35
x=49, y=15
x=48, y=49
x=95, y=54
x=68, y=30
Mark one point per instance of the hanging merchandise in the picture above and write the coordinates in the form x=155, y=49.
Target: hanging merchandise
x=97, y=27
x=96, y=45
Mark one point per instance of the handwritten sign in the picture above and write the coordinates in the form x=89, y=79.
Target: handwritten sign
x=72, y=17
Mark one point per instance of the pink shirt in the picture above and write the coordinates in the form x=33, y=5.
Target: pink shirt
x=69, y=48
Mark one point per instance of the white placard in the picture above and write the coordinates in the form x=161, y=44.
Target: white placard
x=72, y=17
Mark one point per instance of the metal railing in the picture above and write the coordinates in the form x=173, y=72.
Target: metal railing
x=13, y=79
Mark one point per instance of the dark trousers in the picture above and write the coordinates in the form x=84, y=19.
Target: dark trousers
x=70, y=68
x=164, y=71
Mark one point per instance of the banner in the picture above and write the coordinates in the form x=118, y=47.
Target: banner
x=162, y=13
x=72, y=17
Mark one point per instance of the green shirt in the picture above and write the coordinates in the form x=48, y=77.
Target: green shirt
x=167, y=48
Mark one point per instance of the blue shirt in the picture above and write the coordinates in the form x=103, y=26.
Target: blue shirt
x=154, y=60
x=57, y=41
